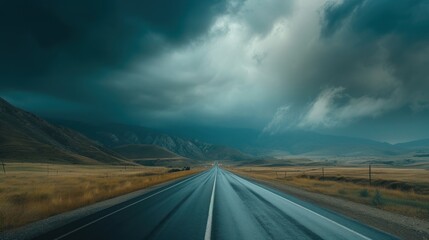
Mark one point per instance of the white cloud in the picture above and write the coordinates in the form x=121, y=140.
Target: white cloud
x=279, y=121
x=322, y=110
x=332, y=108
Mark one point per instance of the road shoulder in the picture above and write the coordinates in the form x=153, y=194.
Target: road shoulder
x=38, y=228
x=398, y=225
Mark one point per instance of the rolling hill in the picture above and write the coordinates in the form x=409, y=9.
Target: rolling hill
x=27, y=138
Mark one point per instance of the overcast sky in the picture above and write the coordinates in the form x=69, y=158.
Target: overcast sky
x=352, y=67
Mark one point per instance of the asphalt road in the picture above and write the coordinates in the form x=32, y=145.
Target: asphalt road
x=215, y=204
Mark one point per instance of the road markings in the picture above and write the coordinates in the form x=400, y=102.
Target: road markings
x=210, y=217
x=132, y=204
x=311, y=211
x=327, y=219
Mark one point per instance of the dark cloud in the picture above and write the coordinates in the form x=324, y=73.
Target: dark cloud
x=392, y=35
x=335, y=14
x=406, y=19
x=52, y=46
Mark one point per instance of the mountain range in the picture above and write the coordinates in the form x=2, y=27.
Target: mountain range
x=27, y=137
x=297, y=142
x=113, y=135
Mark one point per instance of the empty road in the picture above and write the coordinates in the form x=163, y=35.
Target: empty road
x=215, y=204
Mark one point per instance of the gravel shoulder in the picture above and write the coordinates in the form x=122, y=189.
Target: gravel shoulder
x=35, y=229
x=401, y=226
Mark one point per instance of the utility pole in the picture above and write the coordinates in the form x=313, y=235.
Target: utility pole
x=323, y=173
x=369, y=174
x=4, y=169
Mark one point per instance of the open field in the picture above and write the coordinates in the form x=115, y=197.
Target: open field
x=31, y=191
x=400, y=190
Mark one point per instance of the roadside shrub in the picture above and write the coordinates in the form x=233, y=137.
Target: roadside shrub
x=364, y=193
x=377, y=200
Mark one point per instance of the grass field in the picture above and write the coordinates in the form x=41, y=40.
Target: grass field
x=31, y=191
x=399, y=190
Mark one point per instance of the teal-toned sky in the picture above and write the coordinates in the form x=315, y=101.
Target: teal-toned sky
x=352, y=67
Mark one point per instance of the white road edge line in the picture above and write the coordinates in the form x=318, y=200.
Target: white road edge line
x=208, y=234
x=134, y=203
x=311, y=211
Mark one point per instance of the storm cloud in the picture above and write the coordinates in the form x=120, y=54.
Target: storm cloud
x=368, y=59
x=67, y=49
x=333, y=66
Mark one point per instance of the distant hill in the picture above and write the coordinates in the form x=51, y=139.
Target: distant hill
x=311, y=143
x=139, y=151
x=114, y=135
x=224, y=152
x=27, y=138
x=289, y=142
x=422, y=144
x=420, y=148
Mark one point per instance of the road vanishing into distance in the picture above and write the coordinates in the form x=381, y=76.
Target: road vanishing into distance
x=215, y=204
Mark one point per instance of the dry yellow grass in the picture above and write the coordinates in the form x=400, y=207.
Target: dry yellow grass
x=30, y=192
x=351, y=184
x=400, y=174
